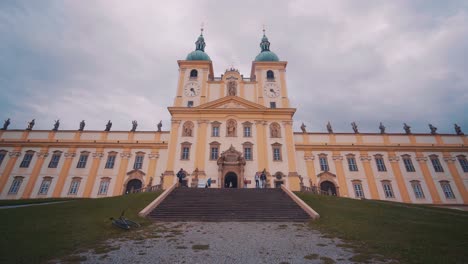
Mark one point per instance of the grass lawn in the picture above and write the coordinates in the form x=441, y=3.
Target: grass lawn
x=38, y=233
x=32, y=201
x=408, y=233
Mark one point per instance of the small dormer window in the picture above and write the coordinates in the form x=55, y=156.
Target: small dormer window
x=270, y=75
x=190, y=104
x=193, y=74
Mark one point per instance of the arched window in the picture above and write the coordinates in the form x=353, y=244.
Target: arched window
x=270, y=75
x=193, y=73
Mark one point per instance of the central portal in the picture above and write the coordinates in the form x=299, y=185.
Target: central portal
x=230, y=180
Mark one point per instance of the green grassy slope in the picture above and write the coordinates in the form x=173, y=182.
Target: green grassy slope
x=409, y=233
x=37, y=233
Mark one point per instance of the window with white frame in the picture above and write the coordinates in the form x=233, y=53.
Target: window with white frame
x=138, y=161
x=104, y=186
x=379, y=161
x=54, y=160
x=418, y=191
x=74, y=186
x=15, y=185
x=214, y=150
x=247, y=131
x=185, y=151
x=2, y=156
x=323, y=160
x=408, y=163
x=277, y=152
x=447, y=189
x=215, y=128
x=247, y=150
x=388, y=190
x=82, y=160
x=352, y=165
x=45, y=185
x=27, y=159
x=436, y=163
x=110, y=160
x=358, y=191
x=461, y=159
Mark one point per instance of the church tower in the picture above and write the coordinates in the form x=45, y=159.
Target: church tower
x=229, y=128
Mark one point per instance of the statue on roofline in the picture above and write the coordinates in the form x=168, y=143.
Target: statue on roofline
x=407, y=128
x=134, y=125
x=458, y=130
x=433, y=129
x=56, y=125
x=329, y=128
x=6, y=124
x=82, y=125
x=382, y=128
x=303, y=128
x=31, y=124
x=355, y=128
x=159, y=126
x=108, y=126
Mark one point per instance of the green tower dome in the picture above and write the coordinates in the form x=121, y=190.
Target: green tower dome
x=266, y=54
x=199, y=52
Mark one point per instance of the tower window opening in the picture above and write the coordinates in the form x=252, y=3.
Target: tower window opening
x=270, y=75
x=193, y=74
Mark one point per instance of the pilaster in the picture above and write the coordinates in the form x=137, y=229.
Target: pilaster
x=456, y=177
x=125, y=156
x=69, y=155
x=398, y=176
x=41, y=156
x=428, y=178
x=338, y=160
x=97, y=156
x=9, y=167
x=366, y=159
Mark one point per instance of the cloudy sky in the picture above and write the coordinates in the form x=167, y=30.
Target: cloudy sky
x=367, y=61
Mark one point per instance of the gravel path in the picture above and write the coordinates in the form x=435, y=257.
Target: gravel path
x=226, y=242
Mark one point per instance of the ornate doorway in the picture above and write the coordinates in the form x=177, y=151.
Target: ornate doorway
x=230, y=180
x=328, y=187
x=132, y=185
x=231, y=168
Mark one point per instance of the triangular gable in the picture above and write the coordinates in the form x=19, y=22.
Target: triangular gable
x=234, y=102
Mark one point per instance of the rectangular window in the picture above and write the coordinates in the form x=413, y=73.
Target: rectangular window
x=190, y=104
x=26, y=160
x=82, y=161
x=358, y=190
x=418, y=192
x=54, y=160
x=44, y=186
x=15, y=185
x=436, y=164
x=408, y=165
x=138, y=162
x=380, y=164
x=2, y=157
x=74, y=187
x=323, y=164
x=272, y=104
x=214, y=153
x=276, y=154
x=387, y=186
x=110, y=162
x=248, y=153
x=462, y=160
x=185, y=153
x=447, y=190
x=352, y=164
x=247, y=131
x=215, y=131
x=103, y=187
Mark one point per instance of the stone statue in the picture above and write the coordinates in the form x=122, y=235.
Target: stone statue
x=82, y=125
x=232, y=85
x=187, y=129
x=407, y=128
x=31, y=124
x=159, y=126
x=355, y=128
x=433, y=129
x=382, y=128
x=108, y=126
x=231, y=129
x=6, y=124
x=56, y=125
x=329, y=127
x=303, y=128
x=458, y=130
x=134, y=125
x=275, y=131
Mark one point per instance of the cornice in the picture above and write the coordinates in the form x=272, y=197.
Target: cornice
x=400, y=148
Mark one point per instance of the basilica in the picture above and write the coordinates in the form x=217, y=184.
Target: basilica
x=227, y=129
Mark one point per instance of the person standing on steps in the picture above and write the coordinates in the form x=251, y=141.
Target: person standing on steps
x=263, y=178
x=245, y=183
x=257, y=184
x=181, y=176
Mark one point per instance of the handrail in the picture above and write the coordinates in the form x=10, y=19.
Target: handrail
x=301, y=203
x=153, y=188
x=157, y=201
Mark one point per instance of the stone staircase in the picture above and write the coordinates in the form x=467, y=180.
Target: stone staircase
x=237, y=205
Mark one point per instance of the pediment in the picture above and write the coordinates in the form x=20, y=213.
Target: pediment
x=136, y=173
x=326, y=174
x=231, y=102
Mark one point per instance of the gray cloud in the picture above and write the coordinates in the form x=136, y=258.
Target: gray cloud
x=365, y=61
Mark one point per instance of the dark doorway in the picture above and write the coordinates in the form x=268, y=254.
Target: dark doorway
x=230, y=180
x=278, y=184
x=132, y=185
x=328, y=187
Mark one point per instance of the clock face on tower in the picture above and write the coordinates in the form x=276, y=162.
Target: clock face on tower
x=192, y=89
x=271, y=90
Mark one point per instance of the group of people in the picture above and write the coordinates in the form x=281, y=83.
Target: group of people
x=260, y=179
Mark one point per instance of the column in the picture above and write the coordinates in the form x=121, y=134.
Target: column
x=200, y=156
x=180, y=84
x=41, y=156
x=309, y=160
x=398, y=176
x=456, y=177
x=153, y=157
x=259, y=87
x=97, y=156
x=9, y=167
x=204, y=92
x=428, y=178
x=294, y=180
x=338, y=160
x=64, y=172
x=125, y=156
x=284, y=90
x=366, y=159
x=261, y=144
